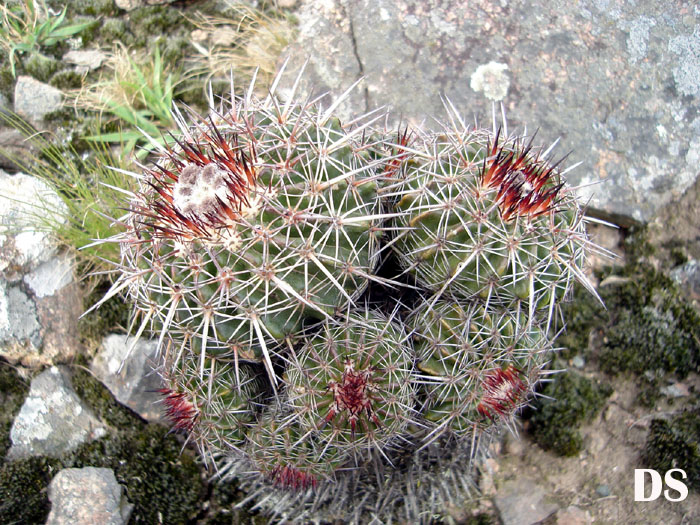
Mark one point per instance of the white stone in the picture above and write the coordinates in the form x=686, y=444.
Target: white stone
x=52, y=419
x=27, y=207
x=85, y=58
x=51, y=276
x=34, y=99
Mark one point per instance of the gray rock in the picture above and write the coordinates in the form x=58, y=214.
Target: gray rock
x=130, y=5
x=688, y=277
x=603, y=491
x=34, y=99
x=522, y=502
x=20, y=330
x=87, y=496
x=53, y=419
x=85, y=59
x=25, y=243
x=130, y=377
x=572, y=515
x=51, y=276
x=620, y=86
x=675, y=390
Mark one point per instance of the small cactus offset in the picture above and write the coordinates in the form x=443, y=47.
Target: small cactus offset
x=267, y=251
x=216, y=411
x=478, y=363
x=287, y=458
x=351, y=383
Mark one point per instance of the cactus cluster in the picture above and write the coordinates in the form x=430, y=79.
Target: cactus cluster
x=343, y=315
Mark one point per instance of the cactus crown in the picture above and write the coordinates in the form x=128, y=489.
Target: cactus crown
x=526, y=185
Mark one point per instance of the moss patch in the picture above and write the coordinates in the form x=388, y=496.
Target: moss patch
x=162, y=481
x=41, y=67
x=675, y=443
x=648, y=326
x=576, y=400
x=23, y=489
x=66, y=79
x=101, y=401
x=652, y=327
x=13, y=390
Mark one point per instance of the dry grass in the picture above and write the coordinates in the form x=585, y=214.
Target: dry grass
x=251, y=41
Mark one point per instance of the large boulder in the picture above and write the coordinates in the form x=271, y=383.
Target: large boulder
x=618, y=83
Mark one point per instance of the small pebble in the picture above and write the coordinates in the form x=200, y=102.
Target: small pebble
x=603, y=491
x=578, y=362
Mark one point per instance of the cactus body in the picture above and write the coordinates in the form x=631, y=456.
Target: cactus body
x=486, y=217
x=251, y=240
x=260, y=216
x=351, y=382
x=479, y=364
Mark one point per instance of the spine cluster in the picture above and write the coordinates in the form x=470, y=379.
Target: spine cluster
x=340, y=309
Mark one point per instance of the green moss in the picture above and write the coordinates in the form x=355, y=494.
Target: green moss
x=648, y=325
x=66, y=79
x=652, y=328
x=101, y=401
x=583, y=315
x=576, y=400
x=7, y=83
x=637, y=245
x=63, y=117
x=675, y=443
x=164, y=484
x=13, y=390
x=115, y=30
x=649, y=338
x=23, y=490
x=41, y=67
x=147, y=22
x=111, y=316
x=94, y=7
x=678, y=253
x=482, y=519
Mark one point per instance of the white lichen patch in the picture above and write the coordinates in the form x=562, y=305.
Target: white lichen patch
x=492, y=80
x=639, y=37
x=687, y=71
